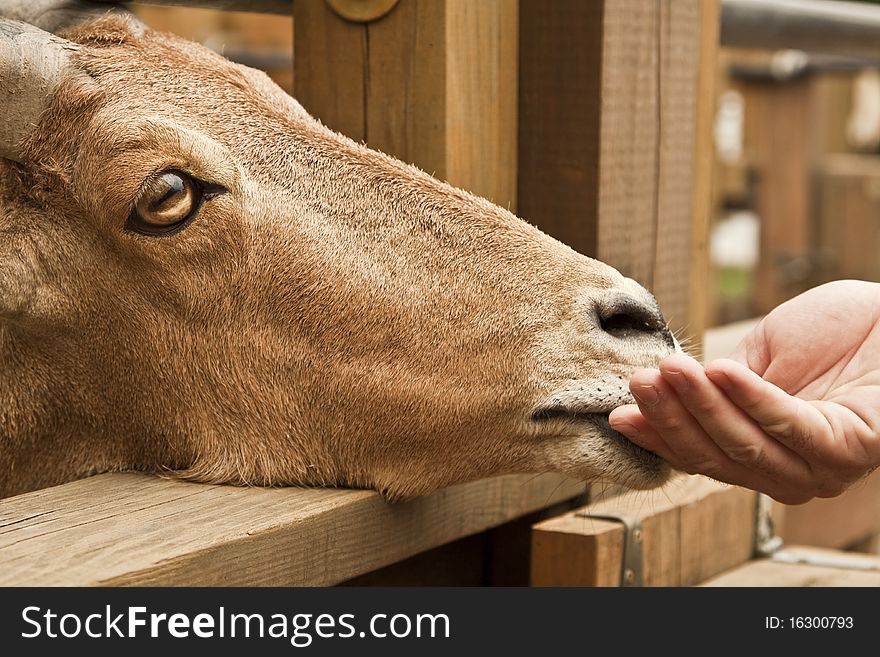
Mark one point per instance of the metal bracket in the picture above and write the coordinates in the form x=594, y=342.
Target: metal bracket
x=767, y=543
x=633, y=562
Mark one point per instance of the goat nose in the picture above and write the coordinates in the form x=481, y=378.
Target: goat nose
x=624, y=316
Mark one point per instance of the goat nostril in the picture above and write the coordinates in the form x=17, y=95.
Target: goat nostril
x=623, y=316
x=622, y=322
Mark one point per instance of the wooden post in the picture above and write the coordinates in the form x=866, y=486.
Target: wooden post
x=612, y=98
x=778, y=130
x=847, y=228
x=794, y=132
x=691, y=531
x=432, y=83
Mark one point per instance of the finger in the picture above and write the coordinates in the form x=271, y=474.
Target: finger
x=792, y=421
x=729, y=427
x=690, y=448
x=629, y=421
x=643, y=434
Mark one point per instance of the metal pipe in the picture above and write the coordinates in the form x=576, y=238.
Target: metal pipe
x=820, y=26
x=283, y=7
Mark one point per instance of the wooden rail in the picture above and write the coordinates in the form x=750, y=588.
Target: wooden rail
x=131, y=529
x=842, y=28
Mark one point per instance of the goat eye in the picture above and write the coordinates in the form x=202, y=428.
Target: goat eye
x=168, y=200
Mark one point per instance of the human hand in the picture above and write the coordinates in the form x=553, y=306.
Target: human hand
x=795, y=412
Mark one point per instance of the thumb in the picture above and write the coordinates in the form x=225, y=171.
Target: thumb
x=753, y=351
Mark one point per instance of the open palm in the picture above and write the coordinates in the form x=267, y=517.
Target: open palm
x=794, y=413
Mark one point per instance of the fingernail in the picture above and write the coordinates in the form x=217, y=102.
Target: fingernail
x=646, y=394
x=626, y=429
x=676, y=378
x=718, y=378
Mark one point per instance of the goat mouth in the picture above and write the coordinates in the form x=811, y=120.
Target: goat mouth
x=599, y=420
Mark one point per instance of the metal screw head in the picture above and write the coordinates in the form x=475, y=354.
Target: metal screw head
x=637, y=535
x=361, y=11
x=629, y=576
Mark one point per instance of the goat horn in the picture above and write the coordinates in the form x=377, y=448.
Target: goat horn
x=33, y=61
x=32, y=64
x=57, y=15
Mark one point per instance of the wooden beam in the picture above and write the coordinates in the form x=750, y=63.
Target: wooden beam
x=559, y=88
x=329, y=59
x=849, y=204
x=692, y=529
x=497, y=557
x=717, y=531
x=842, y=28
x=432, y=83
x=611, y=97
x=131, y=529
x=829, y=570
x=562, y=557
x=779, y=129
x=704, y=169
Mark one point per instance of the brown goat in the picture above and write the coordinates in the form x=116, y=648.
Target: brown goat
x=198, y=278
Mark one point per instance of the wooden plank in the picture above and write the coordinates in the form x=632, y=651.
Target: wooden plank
x=651, y=72
x=560, y=62
x=767, y=572
x=130, y=529
x=677, y=224
x=703, y=171
x=497, y=557
x=562, y=557
x=842, y=28
x=717, y=532
x=836, y=522
x=431, y=83
x=481, y=98
x=329, y=60
x=406, y=94
x=691, y=529
x=828, y=557
x=631, y=127
x=609, y=105
x=849, y=232
x=779, y=136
